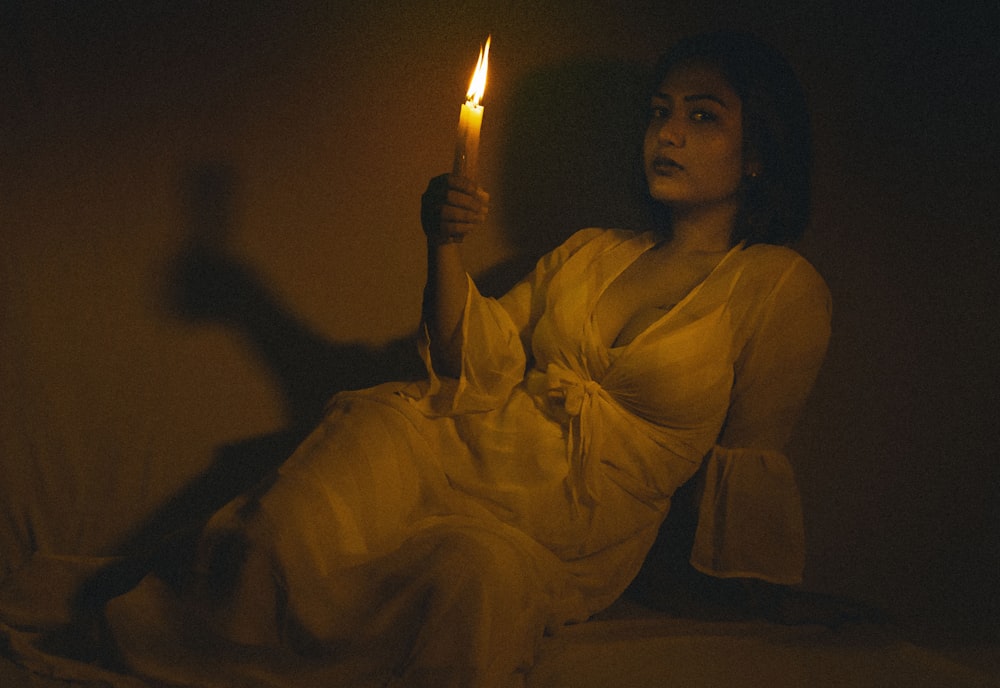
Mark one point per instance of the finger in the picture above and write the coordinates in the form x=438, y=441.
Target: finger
x=443, y=195
x=461, y=183
x=448, y=220
x=455, y=214
x=460, y=199
x=468, y=186
x=439, y=187
x=438, y=182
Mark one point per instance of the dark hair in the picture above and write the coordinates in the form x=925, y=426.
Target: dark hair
x=776, y=131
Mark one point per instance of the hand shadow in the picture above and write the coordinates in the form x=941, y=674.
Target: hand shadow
x=206, y=283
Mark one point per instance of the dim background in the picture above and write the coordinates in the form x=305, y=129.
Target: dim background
x=209, y=223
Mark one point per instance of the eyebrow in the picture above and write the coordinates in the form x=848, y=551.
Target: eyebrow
x=695, y=97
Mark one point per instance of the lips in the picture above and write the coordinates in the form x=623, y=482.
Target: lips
x=665, y=165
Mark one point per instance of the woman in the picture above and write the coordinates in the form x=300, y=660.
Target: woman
x=428, y=534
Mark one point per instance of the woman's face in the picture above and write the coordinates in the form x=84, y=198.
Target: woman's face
x=693, y=150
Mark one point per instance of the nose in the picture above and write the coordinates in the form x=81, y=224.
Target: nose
x=670, y=133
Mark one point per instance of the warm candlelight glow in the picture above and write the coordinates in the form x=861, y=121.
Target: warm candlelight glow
x=471, y=119
x=478, y=84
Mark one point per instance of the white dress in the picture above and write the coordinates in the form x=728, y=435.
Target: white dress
x=427, y=534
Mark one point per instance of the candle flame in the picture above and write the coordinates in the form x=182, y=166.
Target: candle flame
x=478, y=84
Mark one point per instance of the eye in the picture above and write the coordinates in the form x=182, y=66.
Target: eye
x=659, y=112
x=703, y=116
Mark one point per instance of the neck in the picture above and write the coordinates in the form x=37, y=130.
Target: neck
x=703, y=228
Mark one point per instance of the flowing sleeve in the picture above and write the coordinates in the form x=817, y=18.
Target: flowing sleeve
x=495, y=339
x=750, y=520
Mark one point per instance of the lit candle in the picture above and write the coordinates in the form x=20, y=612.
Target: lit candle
x=471, y=119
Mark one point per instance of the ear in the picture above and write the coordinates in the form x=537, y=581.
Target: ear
x=752, y=166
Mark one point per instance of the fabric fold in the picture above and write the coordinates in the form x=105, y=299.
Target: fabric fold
x=750, y=522
x=571, y=398
x=489, y=370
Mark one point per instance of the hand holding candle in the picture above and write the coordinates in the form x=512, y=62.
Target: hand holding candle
x=471, y=119
x=453, y=204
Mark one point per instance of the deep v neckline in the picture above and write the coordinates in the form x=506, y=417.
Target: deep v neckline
x=666, y=315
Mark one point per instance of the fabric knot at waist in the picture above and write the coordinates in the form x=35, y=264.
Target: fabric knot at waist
x=571, y=398
x=562, y=390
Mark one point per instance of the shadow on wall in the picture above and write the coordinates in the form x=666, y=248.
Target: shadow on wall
x=207, y=283
x=571, y=159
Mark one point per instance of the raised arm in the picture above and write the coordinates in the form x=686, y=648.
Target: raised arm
x=451, y=208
